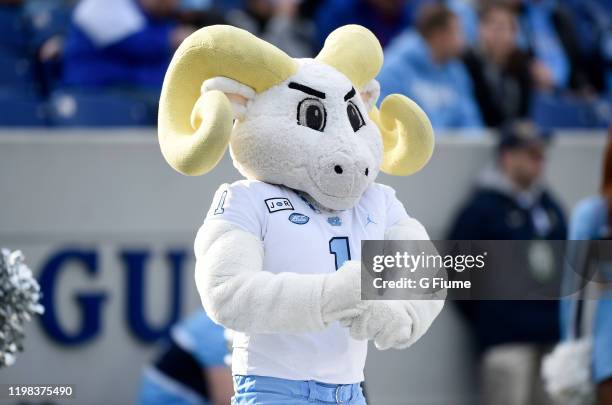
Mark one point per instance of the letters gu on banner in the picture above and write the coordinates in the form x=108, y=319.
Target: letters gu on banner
x=485, y=270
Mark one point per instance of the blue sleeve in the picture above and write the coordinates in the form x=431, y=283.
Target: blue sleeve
x=566, y=308
x=394, y=78
x=585, y=222
x=152, y=43
x=602, y=341
x=203, y=338
x=587, y=219
x=468, y=18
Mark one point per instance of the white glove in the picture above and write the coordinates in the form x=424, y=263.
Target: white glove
x=394, y=324
x=385, y=322
x=341, y=297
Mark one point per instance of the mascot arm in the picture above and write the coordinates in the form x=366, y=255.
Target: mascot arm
x=406, y=229
x=238, y=294
x=421, y=312
x=397, y=324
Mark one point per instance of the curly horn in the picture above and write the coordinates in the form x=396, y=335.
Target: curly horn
x=406, y=131
x=194, y=129
x=355, y=52
x=408, y=137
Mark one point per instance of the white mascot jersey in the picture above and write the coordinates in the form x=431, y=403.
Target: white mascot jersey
x=300, y=238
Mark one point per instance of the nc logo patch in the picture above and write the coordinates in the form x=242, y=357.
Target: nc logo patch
x=278, y=204
x=299, y=219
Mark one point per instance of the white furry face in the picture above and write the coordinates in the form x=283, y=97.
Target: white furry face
x=311, y=133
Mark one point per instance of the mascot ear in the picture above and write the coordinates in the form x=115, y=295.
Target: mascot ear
x=370, y=93
x=238, y=94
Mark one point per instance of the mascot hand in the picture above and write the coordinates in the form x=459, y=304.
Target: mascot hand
x=386, y=322
x=342, y=293
x=393, y=324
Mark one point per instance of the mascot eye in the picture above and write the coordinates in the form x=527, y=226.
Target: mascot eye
x=354, y=116
x=311, y=113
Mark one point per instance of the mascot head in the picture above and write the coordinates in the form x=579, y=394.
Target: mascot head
x=308, y=124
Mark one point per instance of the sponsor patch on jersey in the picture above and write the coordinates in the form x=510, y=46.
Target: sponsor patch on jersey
x=299, y=219
x=334, y=221
x=278, y=204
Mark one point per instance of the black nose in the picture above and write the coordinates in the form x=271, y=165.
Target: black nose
x=338, y=169
x=367, y=171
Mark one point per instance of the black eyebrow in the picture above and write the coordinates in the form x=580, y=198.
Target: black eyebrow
x=307, y=90
x=350, y=94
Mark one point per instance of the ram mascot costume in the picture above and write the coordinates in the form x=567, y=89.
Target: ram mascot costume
x=277, y=257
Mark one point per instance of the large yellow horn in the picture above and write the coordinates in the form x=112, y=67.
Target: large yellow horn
x=355, y=52
x=406, y=131
x=408, y=137
x=193, y=141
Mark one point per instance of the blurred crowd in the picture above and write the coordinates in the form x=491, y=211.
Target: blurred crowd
x=468, y=63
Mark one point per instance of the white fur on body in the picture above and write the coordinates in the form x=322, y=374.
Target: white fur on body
x=238, y=294
x=423, y=312
x=396, y=324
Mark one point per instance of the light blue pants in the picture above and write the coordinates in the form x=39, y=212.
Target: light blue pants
x=258, y=390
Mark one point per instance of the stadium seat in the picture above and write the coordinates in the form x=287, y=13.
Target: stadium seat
x=21, y=110
x=15, y=64
x=15, y=69
x=101, y=108
x=13, y=29
x=557, y=112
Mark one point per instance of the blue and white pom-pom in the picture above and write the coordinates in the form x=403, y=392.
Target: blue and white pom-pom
x=19, y=296
x=567, y=373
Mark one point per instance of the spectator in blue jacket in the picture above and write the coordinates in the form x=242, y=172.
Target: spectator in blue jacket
x=424, y=65
x=468, y=15
x=121, y=43
x=385, y=18
x=192, y=367
x=592, y=220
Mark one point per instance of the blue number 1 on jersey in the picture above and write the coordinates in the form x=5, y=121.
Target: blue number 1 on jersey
x=339, y=247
